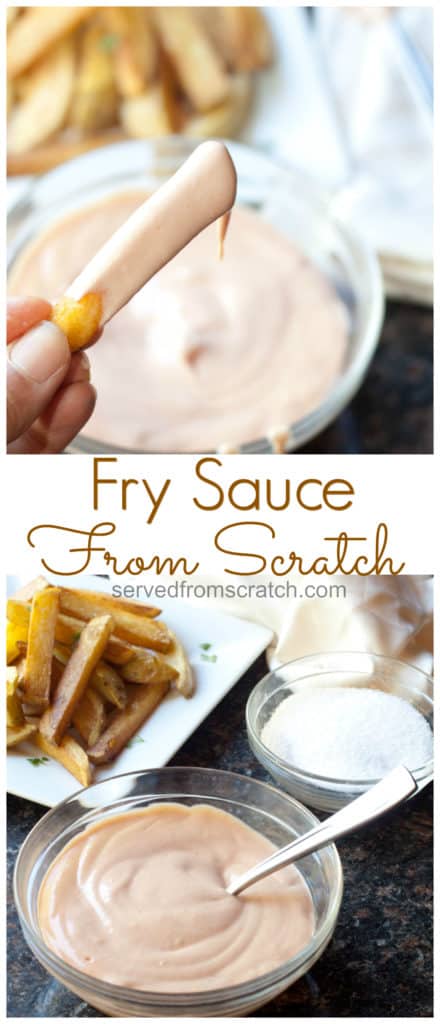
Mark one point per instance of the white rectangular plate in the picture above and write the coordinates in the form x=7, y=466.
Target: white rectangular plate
x=235, y=644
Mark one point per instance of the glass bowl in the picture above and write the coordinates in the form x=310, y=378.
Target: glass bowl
x=357, y=669
x=260, y=806
x=283, y=196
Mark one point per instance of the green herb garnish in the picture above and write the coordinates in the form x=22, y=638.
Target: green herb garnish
x=109, y=42
x=36, y=761
x=136, y=739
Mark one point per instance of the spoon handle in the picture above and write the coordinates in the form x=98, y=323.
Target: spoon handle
x=390, y=791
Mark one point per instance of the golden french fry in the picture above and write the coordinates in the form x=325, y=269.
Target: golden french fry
x=17, y=733
x=78, y=319
x=104, y=678
x=14, y=710
x=10, y=96
x=122, y=725
x=244, y=38
x=36, y=31
x=137, y=607
x=11, y=14
x=35, y=686
x=18, y=612
x=227, y=118
x=199, y=68
x=75, y=677
x=45, y=107
x=68, y=631
x=134, y=50
x=69, y=753
x=89, y=717
x=136, y=629
x=185, y=681
x=146, y=116
x=145, y=667
x=15, y=636
x=107, y=682
x=118, y=652
x=94, y=98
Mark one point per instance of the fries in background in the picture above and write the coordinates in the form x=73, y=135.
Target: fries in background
x=79, y=77
x=76, y=689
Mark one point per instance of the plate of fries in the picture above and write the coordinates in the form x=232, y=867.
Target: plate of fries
x=81, y=77
x=98, y=685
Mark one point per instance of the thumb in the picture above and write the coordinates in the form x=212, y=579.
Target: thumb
x=37, y=364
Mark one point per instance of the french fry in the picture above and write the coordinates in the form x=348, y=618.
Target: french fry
x=11, y=97
x=185, y=681
x=36, y=31
x=106, y=603
x=145, y=667
x=18, y=733
x=136, y=629
x=69, y=754
x=35, y=686
x=137, y=607
x=68, y=631
x=18, y=612
x=118, y=652
x=78, y=319
x=75, y=678
x=15, y=637
x=107, y=682
x=89, y=717
x=11, y=14
x=244, y=38
x=14, y=710
x=45, y=107
x=94, y=99
x=135, y=53
x=146, y=116
x=198, y=66
x=104, y=678
x=122, y=725
x=227, y=118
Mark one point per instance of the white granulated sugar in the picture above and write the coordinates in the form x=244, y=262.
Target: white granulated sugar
x=348, y=733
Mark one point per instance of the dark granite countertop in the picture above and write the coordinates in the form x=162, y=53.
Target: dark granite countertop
x=379, y=962
x=392, y=411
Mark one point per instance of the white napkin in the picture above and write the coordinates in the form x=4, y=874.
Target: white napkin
x=346, y=104
x=378, y=614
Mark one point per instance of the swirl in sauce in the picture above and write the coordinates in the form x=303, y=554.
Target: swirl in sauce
x=139, y=900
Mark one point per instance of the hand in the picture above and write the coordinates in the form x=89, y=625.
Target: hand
x=49, y=394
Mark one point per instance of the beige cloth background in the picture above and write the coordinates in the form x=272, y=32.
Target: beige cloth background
x=381, y=615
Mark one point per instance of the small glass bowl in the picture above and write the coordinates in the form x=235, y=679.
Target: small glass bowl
x=357, y=669
x=260, y=806
x=281, y=195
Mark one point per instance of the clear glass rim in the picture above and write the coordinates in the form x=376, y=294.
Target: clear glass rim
x=328, y=781
x=350, y=379
x=107, y=990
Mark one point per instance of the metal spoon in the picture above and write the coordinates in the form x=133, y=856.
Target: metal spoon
x=390, y=791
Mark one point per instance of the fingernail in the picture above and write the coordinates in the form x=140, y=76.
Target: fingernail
x=40, y=353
